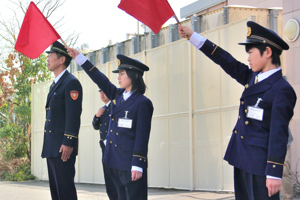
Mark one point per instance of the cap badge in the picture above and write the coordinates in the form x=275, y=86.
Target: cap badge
x=119, y=62
x=74, y=94
x=249, y=31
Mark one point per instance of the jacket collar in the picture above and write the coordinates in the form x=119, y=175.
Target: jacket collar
x=262, y=85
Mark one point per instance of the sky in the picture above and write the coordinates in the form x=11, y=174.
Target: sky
x=98, y=21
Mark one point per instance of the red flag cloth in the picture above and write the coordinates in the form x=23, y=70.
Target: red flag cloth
x=36, y=33
x=153, y=13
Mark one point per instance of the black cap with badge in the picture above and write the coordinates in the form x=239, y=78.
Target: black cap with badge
x=57, y=47
x=258, y=34
x=126, y=63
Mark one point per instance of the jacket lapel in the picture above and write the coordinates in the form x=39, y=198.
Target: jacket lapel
x=119, y=107
x=53, y=89
x=262, y=85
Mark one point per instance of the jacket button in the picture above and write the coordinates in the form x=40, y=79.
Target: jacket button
x=246, y=122
x=49, y=120
x=113, y=119
x=235, y=131
x=49, y=131
x=242, y=137
x=100, y=124
x=110, y=142
x=117, y=133
x=111, y=131
x=246, y=111
x=45, y=131
x=116, y=145
x=105, y=123
x=239, y=117
x=140, y=158
x=274, y=166
x=246, y=86
x=242, y=102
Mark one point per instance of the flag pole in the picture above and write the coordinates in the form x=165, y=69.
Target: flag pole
x=64, y=43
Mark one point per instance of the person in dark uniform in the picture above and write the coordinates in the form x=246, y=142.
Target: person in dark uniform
x=63, y=110
x=100, y=122
x=258, y=144
x=129, y=127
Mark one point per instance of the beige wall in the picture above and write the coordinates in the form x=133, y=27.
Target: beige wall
x=195, y=109
x=257, y=3
x=291, y=10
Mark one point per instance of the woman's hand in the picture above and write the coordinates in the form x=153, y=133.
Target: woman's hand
x=73, y=52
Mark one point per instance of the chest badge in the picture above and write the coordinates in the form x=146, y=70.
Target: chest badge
x=74, y=94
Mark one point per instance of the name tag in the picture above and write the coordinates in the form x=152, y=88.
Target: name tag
x=125, y=123
x=255, y=113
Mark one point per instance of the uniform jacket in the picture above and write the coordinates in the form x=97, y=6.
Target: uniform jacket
x=257, y=147
x=125, y=147
x=63, y=110
x=101, y=123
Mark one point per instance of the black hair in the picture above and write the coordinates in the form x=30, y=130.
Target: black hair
x=137, y=81
x=67, y=61
x=262, y=47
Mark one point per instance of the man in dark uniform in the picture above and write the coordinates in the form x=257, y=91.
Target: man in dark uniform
x=258, y=144
x=101, y=122
x=63, y=110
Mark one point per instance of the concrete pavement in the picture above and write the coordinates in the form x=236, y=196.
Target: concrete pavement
x=39, y=190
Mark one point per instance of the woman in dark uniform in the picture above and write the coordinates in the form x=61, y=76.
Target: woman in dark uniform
x=129, y=126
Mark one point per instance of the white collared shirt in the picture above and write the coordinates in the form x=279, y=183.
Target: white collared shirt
x=56, y=79
x=126, y=95
x=263, y=75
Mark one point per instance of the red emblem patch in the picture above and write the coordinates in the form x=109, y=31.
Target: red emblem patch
x=74, y=94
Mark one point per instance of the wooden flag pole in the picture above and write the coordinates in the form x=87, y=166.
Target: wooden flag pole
x=64, y=43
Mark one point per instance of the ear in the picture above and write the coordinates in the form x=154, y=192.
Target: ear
x=62, y=60
x=268, y=52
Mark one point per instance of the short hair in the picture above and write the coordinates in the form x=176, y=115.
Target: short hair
x=262, y=47
x=67, y=61
x=137, y=81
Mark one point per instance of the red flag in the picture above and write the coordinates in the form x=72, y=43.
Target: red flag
x=153, y=13
x=36, y=33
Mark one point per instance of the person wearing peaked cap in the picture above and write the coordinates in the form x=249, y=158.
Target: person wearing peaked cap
x=129, y=126
x=258, y=143
x=101, y=122
x=63, y=111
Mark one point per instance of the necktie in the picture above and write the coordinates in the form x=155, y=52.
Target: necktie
x=256, y=80
x=52, y=85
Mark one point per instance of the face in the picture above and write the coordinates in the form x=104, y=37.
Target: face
x=257, y=61
x=103, y=97
x=53, y=63
x=124, y=80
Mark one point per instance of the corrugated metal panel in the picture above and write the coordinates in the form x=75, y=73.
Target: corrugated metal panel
x=198, y=6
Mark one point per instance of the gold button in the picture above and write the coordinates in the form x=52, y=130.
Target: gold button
x=117, y=133
x=246, y=86
x=113, y=119
x=242, y=137
x=111, y=142
x=274, y=166
x=106, y=131
x=111, y=131
x=49, y=131
x=68, y=137
x=45, y=131
x=115, y=145
x=235, y=131
x=140, y=158
x=144, y=160
x=105, y=123
x=246, y=122
x=49, y=120
x=242, y=102
x=100, y=124
x=49, y=108
x=246, y=111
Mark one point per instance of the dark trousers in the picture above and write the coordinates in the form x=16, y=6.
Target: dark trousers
x=61, y=178
x=251, y=187
x=127, y=189
x=111, y=189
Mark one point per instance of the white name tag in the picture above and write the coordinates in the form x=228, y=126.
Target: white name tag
x=125, y=123
x=255, y=113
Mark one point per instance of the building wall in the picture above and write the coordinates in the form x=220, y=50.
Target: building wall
x=291, y=10
x=257, y=3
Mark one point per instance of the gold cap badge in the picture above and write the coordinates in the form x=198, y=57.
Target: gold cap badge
x=249, y=31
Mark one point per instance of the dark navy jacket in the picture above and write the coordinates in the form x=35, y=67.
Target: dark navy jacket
x=101, y=123
x=63, y=110
x=124, y=147
x=257, y=147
